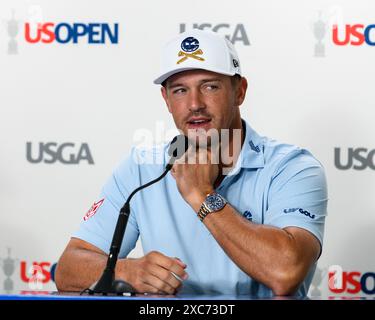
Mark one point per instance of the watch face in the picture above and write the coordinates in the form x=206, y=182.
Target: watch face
x=215, y=202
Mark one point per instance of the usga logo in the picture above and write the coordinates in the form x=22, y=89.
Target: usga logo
x=234, y=33
x=357, y=158
x=66, y=153
x=91, y=33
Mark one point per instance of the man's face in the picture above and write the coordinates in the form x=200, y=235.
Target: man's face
x=200, y=101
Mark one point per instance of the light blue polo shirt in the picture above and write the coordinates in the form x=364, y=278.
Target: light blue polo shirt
x=272, y=183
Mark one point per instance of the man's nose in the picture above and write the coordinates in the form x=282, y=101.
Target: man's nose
x=196, y=102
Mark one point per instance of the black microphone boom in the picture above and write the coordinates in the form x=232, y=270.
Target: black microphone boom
x=107, y=284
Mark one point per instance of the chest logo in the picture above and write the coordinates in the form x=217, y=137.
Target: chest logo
x=247, y=214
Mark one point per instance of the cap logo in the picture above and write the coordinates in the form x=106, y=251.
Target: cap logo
x=190, y=49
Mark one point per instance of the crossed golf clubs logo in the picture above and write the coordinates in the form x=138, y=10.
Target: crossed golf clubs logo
x=190, y=49
x=193, y=55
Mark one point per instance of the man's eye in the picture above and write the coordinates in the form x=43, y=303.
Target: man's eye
x=178, y=90
x=212, y=87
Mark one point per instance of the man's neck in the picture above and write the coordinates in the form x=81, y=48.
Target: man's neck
x=230, y=151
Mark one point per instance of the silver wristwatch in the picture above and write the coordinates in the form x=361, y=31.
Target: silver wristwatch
x=214, y=202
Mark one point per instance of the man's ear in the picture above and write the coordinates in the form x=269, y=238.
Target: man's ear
x=165, y=97
x=241, y=91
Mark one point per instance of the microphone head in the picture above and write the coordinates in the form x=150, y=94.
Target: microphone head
x=178, y=147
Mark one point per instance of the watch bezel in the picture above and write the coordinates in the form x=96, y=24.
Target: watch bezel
x=215, y=202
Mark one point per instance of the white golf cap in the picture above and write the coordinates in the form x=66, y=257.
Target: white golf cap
x=198, y=49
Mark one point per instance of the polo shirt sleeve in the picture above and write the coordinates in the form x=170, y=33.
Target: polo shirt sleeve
x=98, y=227
x=298, y=194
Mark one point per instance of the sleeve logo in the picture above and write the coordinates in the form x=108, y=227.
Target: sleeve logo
x=93, y=209
x=300, y=210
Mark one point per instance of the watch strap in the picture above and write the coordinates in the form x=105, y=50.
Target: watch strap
x=203, y=211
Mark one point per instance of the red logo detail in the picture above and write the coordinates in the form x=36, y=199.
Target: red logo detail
x=93, y=209
x=39, y=272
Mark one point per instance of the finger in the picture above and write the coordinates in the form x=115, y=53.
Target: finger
x=169, y=264
x=165, y=276
x=175, y=170
x=179, y=261
x=213, y=156
x=160, y=285
x=176, y=267
x=179, y=270
x=173, y=173
x=147, y=288
x=192, y=156
x=177, y=277
x=203, y=157
x=181, y=160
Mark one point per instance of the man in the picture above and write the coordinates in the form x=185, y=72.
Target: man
x=253, y=225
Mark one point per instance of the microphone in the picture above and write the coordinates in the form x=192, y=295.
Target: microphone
x=177, y=148
x=107, y=284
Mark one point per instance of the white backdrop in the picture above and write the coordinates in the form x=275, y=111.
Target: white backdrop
x=303, y=89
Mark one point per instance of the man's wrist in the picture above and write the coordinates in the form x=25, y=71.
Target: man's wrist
x=198, y=197
x=123, y=269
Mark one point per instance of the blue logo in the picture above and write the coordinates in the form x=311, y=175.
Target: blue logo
x=300, y=210
x=190, y=44
x=247, y=214
x=253, y=147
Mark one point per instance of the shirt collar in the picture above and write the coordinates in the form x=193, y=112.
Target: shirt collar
x=251, y=155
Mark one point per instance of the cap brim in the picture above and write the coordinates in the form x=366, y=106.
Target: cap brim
x=165, y=76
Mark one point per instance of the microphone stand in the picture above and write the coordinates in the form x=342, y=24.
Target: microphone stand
x=107, y=284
